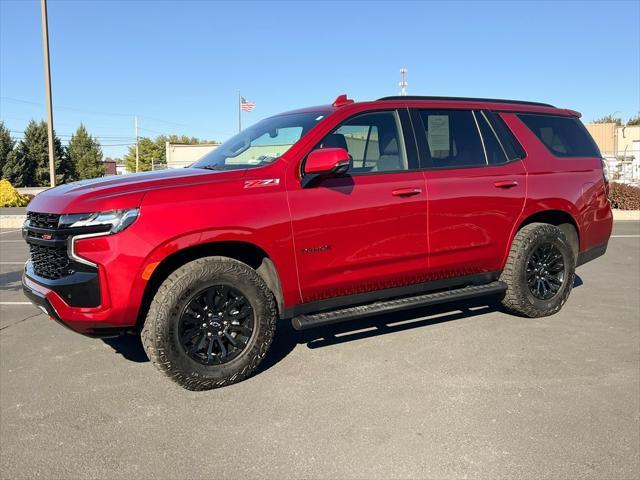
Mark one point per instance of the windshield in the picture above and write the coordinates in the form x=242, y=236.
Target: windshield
x=261, y=143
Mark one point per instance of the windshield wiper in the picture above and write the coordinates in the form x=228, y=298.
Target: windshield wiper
x=212, y=167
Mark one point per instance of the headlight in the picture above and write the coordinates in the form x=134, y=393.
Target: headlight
x=113, y=221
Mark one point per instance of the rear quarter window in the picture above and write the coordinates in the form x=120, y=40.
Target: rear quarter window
x=563, y=136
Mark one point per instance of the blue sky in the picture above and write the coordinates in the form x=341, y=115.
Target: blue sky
x=179, y=65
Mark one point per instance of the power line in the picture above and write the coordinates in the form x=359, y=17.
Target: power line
x=97, y=112
x=61, y=107
x=106, y=137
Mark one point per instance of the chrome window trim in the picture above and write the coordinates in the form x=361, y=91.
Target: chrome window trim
x=504, y=151
x=484, y=149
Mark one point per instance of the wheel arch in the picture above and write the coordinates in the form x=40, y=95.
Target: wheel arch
x=559, y=218
x=243, y=251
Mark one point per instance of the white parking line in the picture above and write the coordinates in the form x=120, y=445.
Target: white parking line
x=625, y=236
x=12, y=241
x=16, y=303
x=10, y=231
x=12, y=263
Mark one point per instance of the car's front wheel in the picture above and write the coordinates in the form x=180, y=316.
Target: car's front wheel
x=210, y=323
x=539, y=272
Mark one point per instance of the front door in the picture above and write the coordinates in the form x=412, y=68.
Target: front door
x=365, y=231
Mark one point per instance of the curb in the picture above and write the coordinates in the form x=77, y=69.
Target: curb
x=12, y=221
x=16, y=221
x=626, y=215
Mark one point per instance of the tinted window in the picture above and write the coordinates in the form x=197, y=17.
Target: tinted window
x=511, y=146
x=453, y=139
x=373, y=140
x=495, y=152
x=564, y=136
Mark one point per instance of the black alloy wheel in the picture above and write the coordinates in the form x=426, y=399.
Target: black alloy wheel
x=545, y=271
x=216, y=325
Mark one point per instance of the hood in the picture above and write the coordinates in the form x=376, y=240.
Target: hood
x=120, y=191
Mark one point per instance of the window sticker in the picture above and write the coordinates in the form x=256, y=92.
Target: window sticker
x=438, y=133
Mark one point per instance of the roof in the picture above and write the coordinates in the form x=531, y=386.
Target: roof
x=445, y=102
x=464, y=99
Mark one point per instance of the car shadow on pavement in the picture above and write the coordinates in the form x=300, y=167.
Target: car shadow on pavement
x=129, y=346
x=10, y=281
x=286, y=338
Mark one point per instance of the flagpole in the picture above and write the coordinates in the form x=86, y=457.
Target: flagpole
x=239, y=113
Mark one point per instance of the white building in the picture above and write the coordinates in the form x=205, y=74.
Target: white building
x=620, y=147
x=180, y=155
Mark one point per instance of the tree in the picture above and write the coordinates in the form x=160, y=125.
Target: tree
x=148, y=150
x=182, y=139
x=634, y=121
x=20, y=167
x=609, y=119
x=29, y=166
x=156, y=150
x=6, y=146
x=85, y=154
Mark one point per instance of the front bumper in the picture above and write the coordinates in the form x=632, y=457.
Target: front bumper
x=53, y=305
x=80, y=289
x=90, y=282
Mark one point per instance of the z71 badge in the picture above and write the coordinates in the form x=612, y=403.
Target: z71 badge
x=265, y=182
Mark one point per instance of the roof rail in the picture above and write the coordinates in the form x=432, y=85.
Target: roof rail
x=464, y=99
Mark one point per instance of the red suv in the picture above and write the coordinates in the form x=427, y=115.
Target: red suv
x=322, y=215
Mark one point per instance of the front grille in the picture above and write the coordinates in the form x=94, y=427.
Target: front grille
x=47, y=246
x=43, y=220
x=49, y=261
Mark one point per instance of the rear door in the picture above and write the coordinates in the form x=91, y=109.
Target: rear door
x=365, y=231
x=476, y=184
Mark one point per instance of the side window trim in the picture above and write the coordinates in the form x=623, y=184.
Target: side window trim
x=407, y=137
x=506, y=156
x=484, y=147
x=419, y=133
x=505, y=135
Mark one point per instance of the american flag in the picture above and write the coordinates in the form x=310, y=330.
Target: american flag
x=246, y=105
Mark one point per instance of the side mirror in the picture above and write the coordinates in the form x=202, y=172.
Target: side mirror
x=324, y=163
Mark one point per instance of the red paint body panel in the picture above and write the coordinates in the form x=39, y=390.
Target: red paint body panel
x=344, y=236
x=326, y=159
x=471, y=219
x=360, y=236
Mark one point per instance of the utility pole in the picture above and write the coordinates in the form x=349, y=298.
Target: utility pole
x=135, y=124
x=239, y=112
x=47, y=80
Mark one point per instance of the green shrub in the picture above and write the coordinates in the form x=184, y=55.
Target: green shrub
x=624, y=197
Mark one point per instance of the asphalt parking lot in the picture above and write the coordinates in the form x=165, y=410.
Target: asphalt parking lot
x=458, y=391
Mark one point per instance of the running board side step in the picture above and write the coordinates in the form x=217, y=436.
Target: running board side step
x=303, y=322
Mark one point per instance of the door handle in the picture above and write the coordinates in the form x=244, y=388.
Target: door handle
x=406, y=192
x=506, y=184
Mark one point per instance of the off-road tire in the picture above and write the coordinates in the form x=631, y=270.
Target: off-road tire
x=518, y=298
x=159, y=333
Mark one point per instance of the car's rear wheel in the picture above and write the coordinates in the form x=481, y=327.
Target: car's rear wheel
x=210, y=323
x=540, y=271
